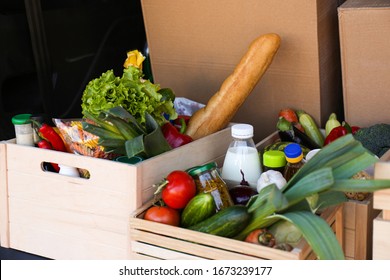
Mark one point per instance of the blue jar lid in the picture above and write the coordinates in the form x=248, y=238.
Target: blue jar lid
x=293, y=150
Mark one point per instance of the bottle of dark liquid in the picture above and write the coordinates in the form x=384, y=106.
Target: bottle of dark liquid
x=294, y=157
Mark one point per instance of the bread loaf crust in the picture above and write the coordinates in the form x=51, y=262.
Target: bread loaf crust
x=224, y=104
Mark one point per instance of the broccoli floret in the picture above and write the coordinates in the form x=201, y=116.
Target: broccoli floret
x=375, y=138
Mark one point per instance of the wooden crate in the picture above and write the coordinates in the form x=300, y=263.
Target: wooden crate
x=381, y=242
x=151, y=240
x=62, y=217
x=358, y=224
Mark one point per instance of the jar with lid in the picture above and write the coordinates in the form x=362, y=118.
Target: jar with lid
x=207, y=179
x=294, y=157
x=241, y=155
x=23, y=129
x=274, y=160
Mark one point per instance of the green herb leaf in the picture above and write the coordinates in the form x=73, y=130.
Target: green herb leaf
x=317, y=234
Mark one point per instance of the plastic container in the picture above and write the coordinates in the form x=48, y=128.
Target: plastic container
x=274, y=160
x=294, y=157
x=207, y=179
x=24, y=132
x=241, y=155
x=68, y=171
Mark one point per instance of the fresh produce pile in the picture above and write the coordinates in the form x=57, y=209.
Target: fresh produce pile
x=281, y=212
x=275, y=217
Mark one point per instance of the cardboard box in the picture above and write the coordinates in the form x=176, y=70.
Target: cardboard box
x=195, y=45
x=61, y=217
x=365, y=52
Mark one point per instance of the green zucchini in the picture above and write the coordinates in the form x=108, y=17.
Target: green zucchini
x=198, y=209
x=311, y=129
x=228, y=222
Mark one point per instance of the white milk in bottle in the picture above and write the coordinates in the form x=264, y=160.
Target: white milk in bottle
x=241, y=155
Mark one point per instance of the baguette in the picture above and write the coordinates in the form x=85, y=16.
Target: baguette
x=224, y=104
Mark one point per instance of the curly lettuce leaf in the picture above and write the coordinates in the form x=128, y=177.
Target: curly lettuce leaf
x=135, y=95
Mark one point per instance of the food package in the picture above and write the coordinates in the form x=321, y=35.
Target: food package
x=79, y=141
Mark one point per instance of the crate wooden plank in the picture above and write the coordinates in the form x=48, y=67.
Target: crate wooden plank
x=61, y=245
x=382, y=197
x=149, y=250
x=214, y=247
x=4, y=232
x=358, y=226
x=177, y=248
x=381, y=244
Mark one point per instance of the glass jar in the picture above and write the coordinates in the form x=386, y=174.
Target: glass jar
x=241, y=156
x=274, y=160
x=294, y=157
x=208, y=180
x=23, y=129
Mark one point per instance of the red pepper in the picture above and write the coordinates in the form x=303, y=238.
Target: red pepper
x=175, y=137
x=339, y=131
x=44, y=144
x=48, y=132
x=178, y=122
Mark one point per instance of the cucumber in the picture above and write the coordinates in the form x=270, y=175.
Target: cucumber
x=280, y=145
x=311, y=129
x=198, y=209
x=228, y=222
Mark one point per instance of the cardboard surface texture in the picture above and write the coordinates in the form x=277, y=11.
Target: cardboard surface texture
x=195, y=45
x=365, y=53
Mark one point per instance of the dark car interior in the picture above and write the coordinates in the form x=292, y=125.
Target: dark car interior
x=50, y=50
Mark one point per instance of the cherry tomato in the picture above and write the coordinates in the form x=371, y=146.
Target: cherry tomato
x=163, y=214
x=179, y=190
x=262, y=237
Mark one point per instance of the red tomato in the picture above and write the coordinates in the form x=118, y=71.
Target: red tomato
x=163, y=214
x=179, y=190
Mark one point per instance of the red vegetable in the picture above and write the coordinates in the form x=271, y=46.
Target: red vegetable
x=290, y=115
x=262, y=237
x=178, y=121
x=163, y=214
x=178, y=189
x=174, y=137
x=339, y=131
x=48, y=132
x=44, y=144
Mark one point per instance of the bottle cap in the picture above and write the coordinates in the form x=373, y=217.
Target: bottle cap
x=274, y=159
x=199, y=169
x=21, y=119
x=242, y=131
x=293, y=153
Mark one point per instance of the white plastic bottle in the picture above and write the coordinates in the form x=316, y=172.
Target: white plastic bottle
x=68, y=171
x=241, y=155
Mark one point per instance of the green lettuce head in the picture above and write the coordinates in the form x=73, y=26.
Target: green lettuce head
x=134, y=94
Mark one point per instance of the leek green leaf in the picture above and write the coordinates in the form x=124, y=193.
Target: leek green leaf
x=317, y=234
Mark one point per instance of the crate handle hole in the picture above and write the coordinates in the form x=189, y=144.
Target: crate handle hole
x=65, y=170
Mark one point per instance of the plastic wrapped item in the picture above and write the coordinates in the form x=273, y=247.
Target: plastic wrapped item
x=79, y=141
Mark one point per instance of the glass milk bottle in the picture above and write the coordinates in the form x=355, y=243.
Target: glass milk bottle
x=241, y=155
